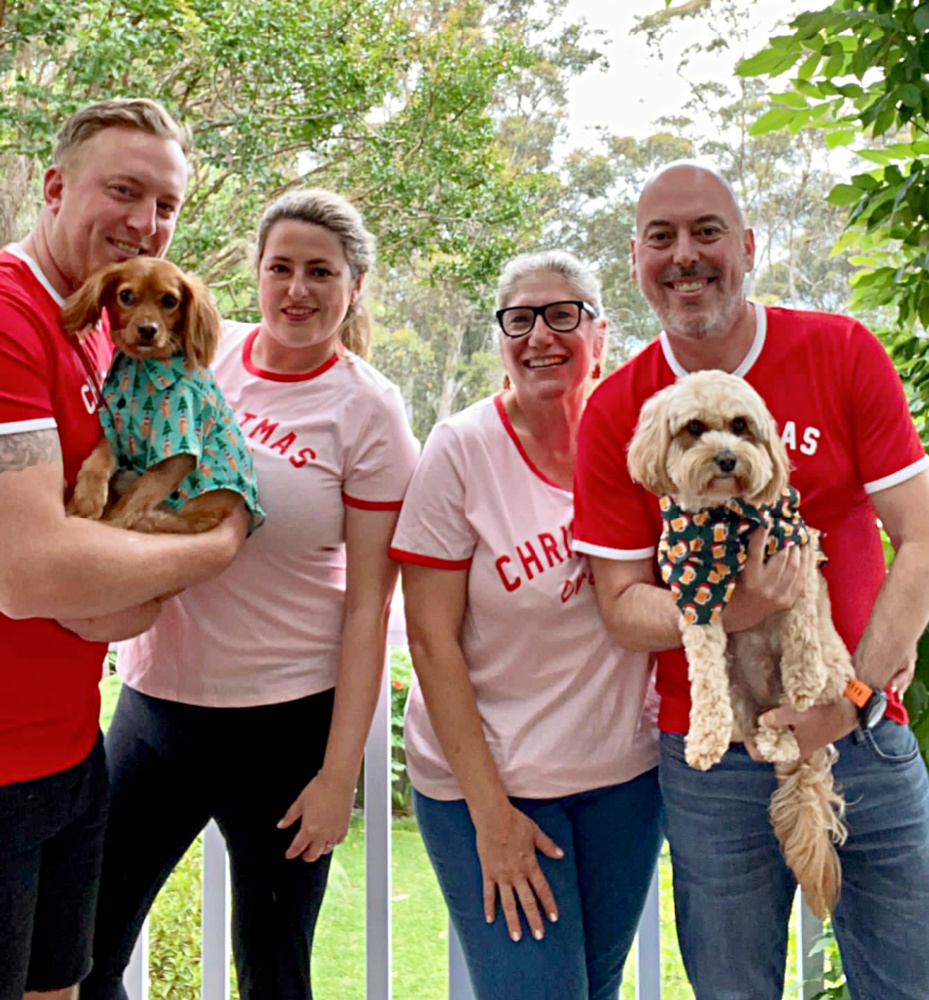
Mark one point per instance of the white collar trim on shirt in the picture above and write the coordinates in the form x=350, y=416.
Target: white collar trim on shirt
x=761, y=330
x=17, y=251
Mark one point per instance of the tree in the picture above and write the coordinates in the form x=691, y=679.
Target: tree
x=390, y=103
x=859, y=77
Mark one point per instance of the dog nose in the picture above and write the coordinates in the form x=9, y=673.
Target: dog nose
x=147, y=330
x=725, y=460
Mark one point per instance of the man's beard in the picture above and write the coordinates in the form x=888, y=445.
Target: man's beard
x=709, y=321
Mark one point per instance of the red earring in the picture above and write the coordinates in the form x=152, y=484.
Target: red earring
x=596, y=373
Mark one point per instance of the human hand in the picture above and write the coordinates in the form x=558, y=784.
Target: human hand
x=764, y=588
x=324, y=809
x=904, y=675
x=813, y=728
x=507, y=848
x=117, y=626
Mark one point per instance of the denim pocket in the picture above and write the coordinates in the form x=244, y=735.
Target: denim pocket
x=891, y=742
x=672, y=744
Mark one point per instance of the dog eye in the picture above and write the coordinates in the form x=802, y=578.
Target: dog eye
x=126, y=296
x=696, y=428
x=739, y=426
x=169, y=301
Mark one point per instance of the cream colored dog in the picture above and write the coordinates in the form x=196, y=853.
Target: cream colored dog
x=708, y=446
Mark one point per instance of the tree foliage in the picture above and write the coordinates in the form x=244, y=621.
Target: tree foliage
x=858, y=76
x=389, y=101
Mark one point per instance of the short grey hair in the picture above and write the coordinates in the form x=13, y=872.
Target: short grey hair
x=560, y=262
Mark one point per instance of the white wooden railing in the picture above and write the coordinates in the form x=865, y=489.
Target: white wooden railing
x=377, y=826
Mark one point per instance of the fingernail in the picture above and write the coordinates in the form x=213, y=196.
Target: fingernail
x=489, y=920
x=559, y=853
x=553, y=917
x=515, y=935
x=538, y=935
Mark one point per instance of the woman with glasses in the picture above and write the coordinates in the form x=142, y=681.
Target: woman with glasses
x=530, y=737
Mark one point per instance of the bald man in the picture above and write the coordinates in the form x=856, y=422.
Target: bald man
x=856, y=457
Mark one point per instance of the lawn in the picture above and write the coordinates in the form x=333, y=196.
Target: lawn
x=419, y=928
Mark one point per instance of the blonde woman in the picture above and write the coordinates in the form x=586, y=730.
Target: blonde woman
x=250, y=700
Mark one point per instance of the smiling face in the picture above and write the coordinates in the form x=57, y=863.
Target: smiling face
x=305, y=289
x=545, y=363
x=691, y=252
x=115, y=197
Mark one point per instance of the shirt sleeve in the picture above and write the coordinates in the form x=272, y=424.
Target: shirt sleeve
x=614, y=518
x=25, y=401
x=433, y=529
x=887, y=446
x=383, y=458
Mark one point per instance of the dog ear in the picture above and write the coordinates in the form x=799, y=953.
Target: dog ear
x=648, y=449
x=201, y=324
x=780, y=462
x=84, y=308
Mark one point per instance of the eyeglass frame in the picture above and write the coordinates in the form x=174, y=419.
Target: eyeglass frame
x=538, y=311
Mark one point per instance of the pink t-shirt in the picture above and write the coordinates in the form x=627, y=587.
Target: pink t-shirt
x=268, y=629
x=564, y=709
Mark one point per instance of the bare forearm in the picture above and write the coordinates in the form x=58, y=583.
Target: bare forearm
x=898, y=617
x=84, y=569
x=453, y=711
x=643, y=618
x=361, y=665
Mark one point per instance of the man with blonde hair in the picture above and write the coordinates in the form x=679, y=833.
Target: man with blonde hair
x=856, y=456
x=68, y=586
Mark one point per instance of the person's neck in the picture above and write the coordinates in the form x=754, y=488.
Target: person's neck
x=725, y=350
x=548, y=431
x=37, y=246
x=271, y=356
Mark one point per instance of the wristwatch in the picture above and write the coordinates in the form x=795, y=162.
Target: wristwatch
x=871, y=703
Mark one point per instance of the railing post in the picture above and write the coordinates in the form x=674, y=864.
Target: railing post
x=648, y=947
x=378, y=813
x=459, y=979
x=809, y=966
x=135, y=978
x=215, y=916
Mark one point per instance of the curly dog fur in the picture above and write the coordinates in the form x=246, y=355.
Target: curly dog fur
x=704, y=441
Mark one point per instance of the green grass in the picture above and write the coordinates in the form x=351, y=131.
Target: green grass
x=418, y=915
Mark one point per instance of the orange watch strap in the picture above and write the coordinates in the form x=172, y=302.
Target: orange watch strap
x=858, y=692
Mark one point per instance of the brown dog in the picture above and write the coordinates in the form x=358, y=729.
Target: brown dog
x=710, y=448
x=163, y=415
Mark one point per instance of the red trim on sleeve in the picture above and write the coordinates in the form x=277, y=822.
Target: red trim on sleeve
x=371, y=504
x=401, y=555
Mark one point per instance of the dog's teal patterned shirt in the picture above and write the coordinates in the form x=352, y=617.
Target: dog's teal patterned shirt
x=701, y=553
x=155, y=409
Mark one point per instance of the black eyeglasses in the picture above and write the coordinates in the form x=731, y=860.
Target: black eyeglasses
x=562, y=317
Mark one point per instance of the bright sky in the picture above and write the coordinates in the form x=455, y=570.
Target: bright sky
x=639, y=87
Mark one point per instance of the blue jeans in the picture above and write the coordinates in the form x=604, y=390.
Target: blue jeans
x=611, y=838
x=733, y=891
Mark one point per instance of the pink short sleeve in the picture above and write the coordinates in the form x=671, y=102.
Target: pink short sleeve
x=434, y=529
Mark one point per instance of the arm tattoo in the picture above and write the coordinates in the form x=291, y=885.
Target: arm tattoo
x=20, y=451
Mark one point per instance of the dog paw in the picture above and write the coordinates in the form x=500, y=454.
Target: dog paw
x=88, y=502
x=777, y=745
x=703, y=755
x=201, y=521
x=807, y=691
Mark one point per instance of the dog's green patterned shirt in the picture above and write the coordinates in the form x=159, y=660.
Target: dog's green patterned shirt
x=155, y=409
x=701, y=553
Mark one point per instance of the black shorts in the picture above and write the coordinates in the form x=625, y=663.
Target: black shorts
x=51, y=848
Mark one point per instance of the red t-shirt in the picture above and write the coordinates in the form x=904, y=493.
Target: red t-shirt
x=49, y=696
x=844, y=419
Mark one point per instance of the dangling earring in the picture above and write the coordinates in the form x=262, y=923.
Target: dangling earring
x=507, y=384
x=596, y=373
